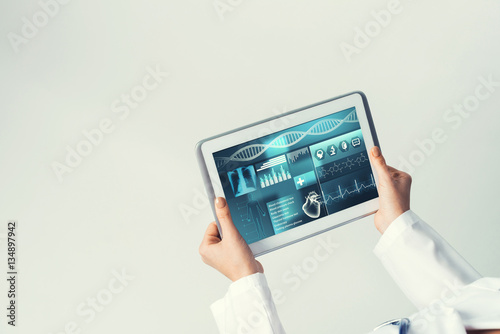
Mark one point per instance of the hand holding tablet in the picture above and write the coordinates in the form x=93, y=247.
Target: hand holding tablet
x=287, y=185
x=231, y=256
x=394, y=191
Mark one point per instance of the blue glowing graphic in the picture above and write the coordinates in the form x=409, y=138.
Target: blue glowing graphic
x=287, y=139
x=280, y=181
x=243, y=180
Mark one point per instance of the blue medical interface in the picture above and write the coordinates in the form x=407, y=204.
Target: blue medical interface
x=295, y=176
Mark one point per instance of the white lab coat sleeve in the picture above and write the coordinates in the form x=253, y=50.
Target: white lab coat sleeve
x=247, y=307
x=421, y=262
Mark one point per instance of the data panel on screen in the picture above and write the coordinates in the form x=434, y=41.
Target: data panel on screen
x=293, y=177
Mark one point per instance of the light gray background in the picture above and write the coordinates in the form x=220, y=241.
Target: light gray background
x=121, y=207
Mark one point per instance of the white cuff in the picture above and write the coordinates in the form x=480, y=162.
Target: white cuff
x=400, y=224
x=238, y=287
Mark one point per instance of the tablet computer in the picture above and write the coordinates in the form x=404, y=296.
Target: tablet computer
x=295, y=175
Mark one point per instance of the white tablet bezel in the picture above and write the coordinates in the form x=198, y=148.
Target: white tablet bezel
x=207, y=147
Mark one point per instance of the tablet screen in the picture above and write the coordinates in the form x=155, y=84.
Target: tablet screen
x=293, y=177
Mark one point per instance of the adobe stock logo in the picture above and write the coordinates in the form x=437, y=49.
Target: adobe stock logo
x=30, y=28
x=87, y=311
x=225, y=6
x=453, y=119
x=295, y=276
x=363, y=37
x=122, y=107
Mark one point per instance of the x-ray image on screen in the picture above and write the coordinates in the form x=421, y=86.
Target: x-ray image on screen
x=243, y=180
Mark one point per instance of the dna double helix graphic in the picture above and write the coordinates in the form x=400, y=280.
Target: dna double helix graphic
x=286, y=139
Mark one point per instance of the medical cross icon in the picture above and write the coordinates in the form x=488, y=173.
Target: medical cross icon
x=304, y=180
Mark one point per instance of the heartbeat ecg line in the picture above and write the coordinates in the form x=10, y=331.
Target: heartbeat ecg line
x=287, y=139
x=357, y=188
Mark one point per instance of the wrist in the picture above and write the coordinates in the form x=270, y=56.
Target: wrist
x=241, y=274
x=383, y=221
x=245, y=271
